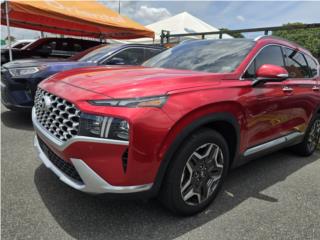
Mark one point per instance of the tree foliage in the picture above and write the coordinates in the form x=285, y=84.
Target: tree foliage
x=307, y=38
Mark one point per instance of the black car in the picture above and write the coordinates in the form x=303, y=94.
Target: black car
x=19, y=79
x=19, y=44
x=49, y=47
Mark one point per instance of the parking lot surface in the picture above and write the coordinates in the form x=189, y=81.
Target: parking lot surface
x=275, y=197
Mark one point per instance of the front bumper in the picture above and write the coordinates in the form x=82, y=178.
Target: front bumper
x=91, y=181
x=16, y=95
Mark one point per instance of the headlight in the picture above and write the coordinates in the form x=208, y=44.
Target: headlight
x=157, y=101
x=17, y=72
x=104, y=127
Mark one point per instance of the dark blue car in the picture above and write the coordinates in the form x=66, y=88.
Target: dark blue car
x=19, y=79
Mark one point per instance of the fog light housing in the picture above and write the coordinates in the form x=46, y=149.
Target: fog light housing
x=104, y=127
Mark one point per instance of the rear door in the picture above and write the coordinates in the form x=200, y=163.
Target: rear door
x=314, y=70
x=303, y=89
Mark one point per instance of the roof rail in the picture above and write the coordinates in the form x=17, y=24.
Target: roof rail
x=258, y=38
x=270, y=36
x=166, y=35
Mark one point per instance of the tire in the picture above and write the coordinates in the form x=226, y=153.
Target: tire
x=311, y=139
x=204, y=146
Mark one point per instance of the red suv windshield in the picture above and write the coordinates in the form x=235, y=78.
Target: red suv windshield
x=216, y=56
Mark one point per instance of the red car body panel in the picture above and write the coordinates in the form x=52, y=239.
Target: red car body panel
x=263, y=113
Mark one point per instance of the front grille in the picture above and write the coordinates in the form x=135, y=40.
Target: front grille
x=58, y=116
x=64, y=166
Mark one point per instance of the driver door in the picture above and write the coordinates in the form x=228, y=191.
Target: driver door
x=269, y=110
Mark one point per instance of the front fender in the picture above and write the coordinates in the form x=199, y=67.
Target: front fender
x=190, y=123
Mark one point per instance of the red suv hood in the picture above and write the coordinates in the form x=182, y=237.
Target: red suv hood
x=128, y=82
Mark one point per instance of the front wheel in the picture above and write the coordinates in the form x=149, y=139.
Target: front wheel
x=196, y=173
x=311, y=139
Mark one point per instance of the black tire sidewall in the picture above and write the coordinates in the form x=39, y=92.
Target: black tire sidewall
x=306, y=138
x=317, y=117
x=302, y=148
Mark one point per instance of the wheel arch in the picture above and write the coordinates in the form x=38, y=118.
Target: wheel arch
x=227, y=120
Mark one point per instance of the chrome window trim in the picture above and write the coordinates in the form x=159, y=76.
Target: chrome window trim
x=282, y=46
x=61, y=146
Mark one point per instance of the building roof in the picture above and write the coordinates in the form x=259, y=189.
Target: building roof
x=183, y=23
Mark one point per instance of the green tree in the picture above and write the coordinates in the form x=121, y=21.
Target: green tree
x=235, y=35
x=308, y=38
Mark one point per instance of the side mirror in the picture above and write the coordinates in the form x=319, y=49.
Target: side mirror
x=270, y=73
x=116, y=61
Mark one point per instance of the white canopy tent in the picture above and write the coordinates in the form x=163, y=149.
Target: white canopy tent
x=180, y=23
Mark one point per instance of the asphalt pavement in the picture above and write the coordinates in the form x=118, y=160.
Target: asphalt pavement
x=275, y=197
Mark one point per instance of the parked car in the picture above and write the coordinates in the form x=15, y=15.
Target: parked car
x=176, y=125
x=20, y=78
x=49, y=47
x=19, y=44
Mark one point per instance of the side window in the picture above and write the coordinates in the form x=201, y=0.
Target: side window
x=21, y=45
x=296, y=65
x=77, y=47
x=65, y=46
x=130, y=56
x=46, y=48
x=268, y=55
x=251, y=71
x=149, y=53
x=48, y=45
x=312, y=66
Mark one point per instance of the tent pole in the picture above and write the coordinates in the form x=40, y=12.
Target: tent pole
x=8, y=30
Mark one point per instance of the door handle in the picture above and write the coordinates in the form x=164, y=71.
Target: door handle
x=287, y=89
x=316, y=89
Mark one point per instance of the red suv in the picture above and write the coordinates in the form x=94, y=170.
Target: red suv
x=175, y=126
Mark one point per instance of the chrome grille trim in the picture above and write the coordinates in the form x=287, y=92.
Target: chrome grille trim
x=57, y=115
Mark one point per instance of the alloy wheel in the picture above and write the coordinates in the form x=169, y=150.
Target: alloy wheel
x=202, y=174
x=314, y=135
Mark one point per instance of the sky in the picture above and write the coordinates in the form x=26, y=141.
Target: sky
x=220, y=14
